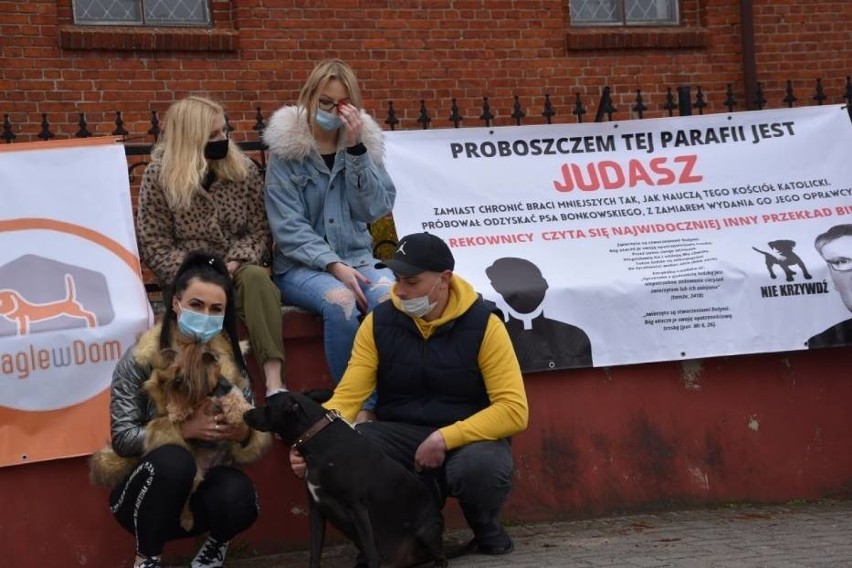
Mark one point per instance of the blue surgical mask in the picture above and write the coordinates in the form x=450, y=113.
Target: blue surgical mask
x=198, y=326
x=419, y=307
x=328, y=121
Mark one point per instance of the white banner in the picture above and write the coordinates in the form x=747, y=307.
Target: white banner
x=71, y=294
x=645, y=240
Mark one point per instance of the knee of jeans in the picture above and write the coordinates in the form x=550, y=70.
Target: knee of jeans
x=342, y=299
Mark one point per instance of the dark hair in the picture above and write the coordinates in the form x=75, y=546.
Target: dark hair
x=209, y=268
x=832, y=234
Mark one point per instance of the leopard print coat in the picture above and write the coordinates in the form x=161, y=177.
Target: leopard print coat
x=229, y=220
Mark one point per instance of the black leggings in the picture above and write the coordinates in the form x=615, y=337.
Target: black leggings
x=149, y=501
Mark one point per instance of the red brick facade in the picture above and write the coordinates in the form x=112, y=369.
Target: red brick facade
x=258, y=52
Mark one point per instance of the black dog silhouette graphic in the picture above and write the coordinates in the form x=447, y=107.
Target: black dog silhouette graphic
x=784, y=258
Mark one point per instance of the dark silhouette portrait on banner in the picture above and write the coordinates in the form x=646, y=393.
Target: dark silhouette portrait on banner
x=540, y=343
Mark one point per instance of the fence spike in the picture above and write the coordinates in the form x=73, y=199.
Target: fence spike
x=119, y=125
x=670, y=104
x=155, y=126
x=455, y=117
x=45, y=133
x=605, y=106
x=789, y=97
x=83, y=132
x=424, y=119
x=517, y=112
x=759, y=101
x=7, y=135
x=700, y=103
x=548, y=113
x=639, y=108
x=391, y=120
x=486, y=112
x=730, y=101
x=819, y=97
x=579, y=109
x=258, y=121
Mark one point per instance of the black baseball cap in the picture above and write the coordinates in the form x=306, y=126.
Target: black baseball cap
x=418, y=253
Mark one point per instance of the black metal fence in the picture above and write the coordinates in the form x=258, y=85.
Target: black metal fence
x=679, y=100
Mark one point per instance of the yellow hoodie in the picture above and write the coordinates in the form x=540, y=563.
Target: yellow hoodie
x=505, y=416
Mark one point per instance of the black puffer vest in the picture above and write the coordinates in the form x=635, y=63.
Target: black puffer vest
x=434, y=382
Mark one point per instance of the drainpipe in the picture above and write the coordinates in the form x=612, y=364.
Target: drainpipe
x=749, y=63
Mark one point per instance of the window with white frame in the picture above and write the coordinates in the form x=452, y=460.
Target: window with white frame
x=142, y=12
x=623, y=12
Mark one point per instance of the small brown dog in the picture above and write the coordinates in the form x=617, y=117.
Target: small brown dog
x=192, y=382
x=188, y=380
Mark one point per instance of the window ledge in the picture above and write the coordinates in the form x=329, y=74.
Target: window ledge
x=124, y=38
x=631, y=38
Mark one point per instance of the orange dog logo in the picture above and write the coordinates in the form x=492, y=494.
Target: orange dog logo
x=16, y=309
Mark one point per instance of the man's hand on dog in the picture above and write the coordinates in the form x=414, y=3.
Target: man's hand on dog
x=297, y=464
x=208, y=423
x=431, y=452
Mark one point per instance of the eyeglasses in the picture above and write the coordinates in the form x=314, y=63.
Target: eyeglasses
x=841, y=264
x=328, y=105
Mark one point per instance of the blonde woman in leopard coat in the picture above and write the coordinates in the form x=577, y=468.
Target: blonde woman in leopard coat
x=200, y=192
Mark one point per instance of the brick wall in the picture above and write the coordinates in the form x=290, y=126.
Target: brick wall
x=259, y=51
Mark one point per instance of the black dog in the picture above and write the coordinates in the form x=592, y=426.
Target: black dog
x=383, y=508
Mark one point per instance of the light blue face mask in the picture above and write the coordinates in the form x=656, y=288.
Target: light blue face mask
x=198, y=326
x=328, y=121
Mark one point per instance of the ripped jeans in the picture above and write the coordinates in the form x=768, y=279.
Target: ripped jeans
x=322, y=293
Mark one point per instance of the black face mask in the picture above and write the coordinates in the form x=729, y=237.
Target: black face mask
x=216, y=150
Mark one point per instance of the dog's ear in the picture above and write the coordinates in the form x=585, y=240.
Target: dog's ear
x=319, y=395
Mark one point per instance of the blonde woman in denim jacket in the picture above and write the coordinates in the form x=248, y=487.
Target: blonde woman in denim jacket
x=324, y=183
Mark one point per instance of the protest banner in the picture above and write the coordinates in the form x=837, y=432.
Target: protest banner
x=637, y=241
x=72, y=299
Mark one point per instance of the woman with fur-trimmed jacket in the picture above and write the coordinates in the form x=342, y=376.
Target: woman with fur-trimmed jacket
x=175, y=444
x=324, y=183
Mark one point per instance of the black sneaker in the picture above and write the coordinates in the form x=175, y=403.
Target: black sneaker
x=211, y=554
x=494, y=544
x=149, y=562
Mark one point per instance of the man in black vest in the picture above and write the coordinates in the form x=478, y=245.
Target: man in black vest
x=450, y=390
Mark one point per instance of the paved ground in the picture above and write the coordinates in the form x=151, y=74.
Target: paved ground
x=788, y=536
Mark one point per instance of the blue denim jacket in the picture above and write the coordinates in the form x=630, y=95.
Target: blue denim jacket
x=319, y=216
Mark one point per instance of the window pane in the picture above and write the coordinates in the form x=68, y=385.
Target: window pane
x=644, y=11
x=107, y=12
x=596, y=11
x=176, y=12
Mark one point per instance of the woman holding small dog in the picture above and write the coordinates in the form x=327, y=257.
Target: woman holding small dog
x=154, y=484
x=200, y=192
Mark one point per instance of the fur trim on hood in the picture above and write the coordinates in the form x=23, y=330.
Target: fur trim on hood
x=289, y=137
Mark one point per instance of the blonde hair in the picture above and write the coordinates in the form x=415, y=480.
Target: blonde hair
x=180, y=151
x=323, y=72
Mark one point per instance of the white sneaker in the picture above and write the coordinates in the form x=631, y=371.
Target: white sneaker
x=211, y=554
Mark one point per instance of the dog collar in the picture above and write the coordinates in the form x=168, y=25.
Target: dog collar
x=327, y=419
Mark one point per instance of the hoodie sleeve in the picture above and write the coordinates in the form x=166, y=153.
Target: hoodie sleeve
x=508, y=413
x=359, y=380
